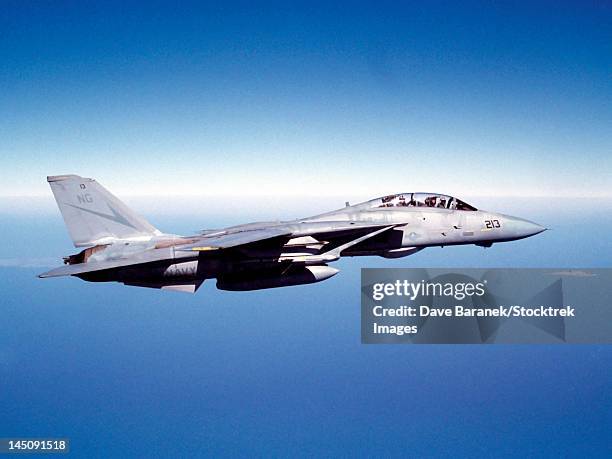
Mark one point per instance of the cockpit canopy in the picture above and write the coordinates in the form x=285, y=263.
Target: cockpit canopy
x=424, y=200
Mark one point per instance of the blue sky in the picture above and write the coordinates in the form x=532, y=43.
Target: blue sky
x=352, y=99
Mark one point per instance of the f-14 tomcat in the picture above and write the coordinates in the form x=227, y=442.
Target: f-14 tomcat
x=121, y=246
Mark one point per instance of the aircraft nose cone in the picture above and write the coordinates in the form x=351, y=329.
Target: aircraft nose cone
x=525, y=228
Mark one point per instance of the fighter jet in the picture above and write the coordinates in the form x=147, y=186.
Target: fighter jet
x=121, y=246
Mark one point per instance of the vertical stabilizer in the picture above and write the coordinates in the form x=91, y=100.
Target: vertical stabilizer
x=92, y=214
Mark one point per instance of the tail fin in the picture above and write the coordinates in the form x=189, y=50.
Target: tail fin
x=92, y=214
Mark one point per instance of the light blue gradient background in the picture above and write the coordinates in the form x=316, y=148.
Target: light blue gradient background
x=513, y=99
x=277, y=112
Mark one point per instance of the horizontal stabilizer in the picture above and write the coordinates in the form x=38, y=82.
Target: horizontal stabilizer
x=81, y=268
